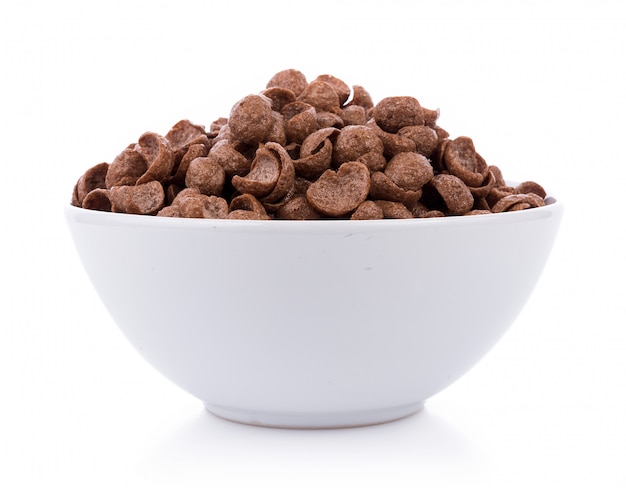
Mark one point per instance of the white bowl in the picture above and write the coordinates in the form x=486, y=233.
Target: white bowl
x=314, y=324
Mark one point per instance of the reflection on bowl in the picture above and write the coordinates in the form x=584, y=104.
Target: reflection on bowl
x=314, y=324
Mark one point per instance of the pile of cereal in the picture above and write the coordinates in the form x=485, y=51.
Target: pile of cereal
x=305, y=150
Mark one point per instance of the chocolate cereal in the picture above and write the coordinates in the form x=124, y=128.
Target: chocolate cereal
x=306, y=150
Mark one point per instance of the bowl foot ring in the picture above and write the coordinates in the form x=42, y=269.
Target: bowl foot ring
x=314, y=420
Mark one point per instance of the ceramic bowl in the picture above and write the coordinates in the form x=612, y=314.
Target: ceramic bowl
x=314, y=324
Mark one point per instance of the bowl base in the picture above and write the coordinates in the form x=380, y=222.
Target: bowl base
x=314, y=420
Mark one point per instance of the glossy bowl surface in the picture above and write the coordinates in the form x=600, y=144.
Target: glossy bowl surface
x=314, y=324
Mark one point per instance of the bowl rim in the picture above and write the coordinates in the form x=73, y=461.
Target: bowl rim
x=99, y=217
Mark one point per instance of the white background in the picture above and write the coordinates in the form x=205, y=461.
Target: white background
x=538, y=85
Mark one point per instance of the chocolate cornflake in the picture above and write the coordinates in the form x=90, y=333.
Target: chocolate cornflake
x=301, y=150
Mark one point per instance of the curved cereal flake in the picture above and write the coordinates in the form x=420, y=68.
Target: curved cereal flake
x=279, y=97
x=217, y=125
x=354, y=115
x=329, y=119
x=517, y=201
x=180, y=171
x=531, y=187
x=203, y=207
x=497, y=193
x=322, y=96
x=292, y=109
x=215, y=208
x=285, y=182
x=375, y=161
x=436, y=158
x=456, y=197
x=497, y=173
x=431, y=117
x=441, y=133
x=230, y=158
x=183, y=134
x=300, y=126
x=353, y=142
x=535, y=200
x=383, y=188
x=247, y=202
x=176, y=199
x=316, y=153
x=246, y=207
x=461, y=160
x=361, y=97
x=300, y=121
x=338, y=193
x=481, y=203
x=263, y=175
x=169, y=211
x=485, y=188
x=424, y=137
x=519, y=206
x=184, y=193
x=245, y=215
x=251, y=119
x=313, y=165
x=418, y=209
x=97, y=199
x=277, y=132
x=341, y=88
x=158, y=154
x=144, y=199
x=126, y=168
x=206, y=175
x=290, y=79
x=368, y=210
x=74, y=200
x=394, y=210
x=93, y=178
x=432, y=214
x=273, y=207
x=313, y=142
x=224, y=134
x=392, y=143
x=393, y=113
x=298, y=208
x=409, y=170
